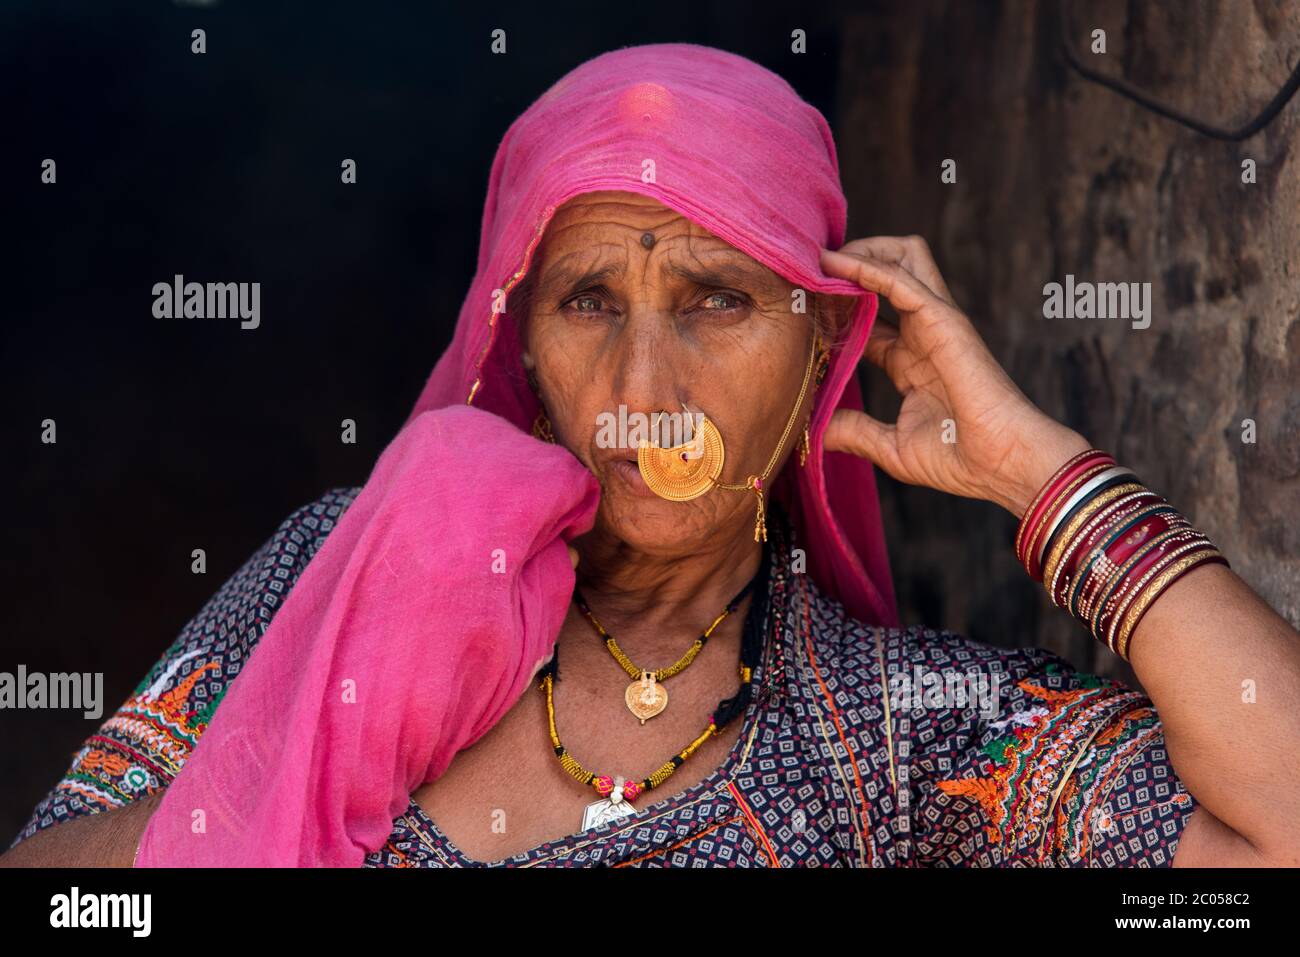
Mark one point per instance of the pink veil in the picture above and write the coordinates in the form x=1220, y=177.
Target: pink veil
x=731, y=146
x=396, y=648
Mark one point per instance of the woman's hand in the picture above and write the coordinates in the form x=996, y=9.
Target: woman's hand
x=964, y=426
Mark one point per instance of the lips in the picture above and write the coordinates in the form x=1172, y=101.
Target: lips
x=628, y=473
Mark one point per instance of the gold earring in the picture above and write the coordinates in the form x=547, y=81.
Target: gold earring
x=823, y=362
x=542, y=427
x=542, y=424
x=674, y=475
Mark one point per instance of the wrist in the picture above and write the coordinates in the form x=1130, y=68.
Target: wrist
x=1105, y=547
x=1044, y=450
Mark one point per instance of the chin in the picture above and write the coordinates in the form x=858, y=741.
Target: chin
x=656, y=526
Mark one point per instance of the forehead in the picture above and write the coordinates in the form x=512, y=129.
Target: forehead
x=616, y=220
x=617, y=208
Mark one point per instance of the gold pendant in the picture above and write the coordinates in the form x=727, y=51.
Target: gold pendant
x=677, y=475
x=645, y=697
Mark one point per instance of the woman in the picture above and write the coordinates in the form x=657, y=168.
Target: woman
x=653, y=243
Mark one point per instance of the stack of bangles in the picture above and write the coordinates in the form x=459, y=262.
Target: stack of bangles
x=1105, y=547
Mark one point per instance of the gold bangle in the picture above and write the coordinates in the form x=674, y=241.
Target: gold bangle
x=1067, y=534
x=1154, y=591
x=1174, y=544
x=1106, y=513
x=1118, y=590
x=1074, y=460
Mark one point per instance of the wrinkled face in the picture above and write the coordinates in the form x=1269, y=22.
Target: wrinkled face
x=680, y=320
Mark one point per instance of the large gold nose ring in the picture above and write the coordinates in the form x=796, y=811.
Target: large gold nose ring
x=673, y=474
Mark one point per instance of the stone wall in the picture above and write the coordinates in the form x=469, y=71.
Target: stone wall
x=1055, y=176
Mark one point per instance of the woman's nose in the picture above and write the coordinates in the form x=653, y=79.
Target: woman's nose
x=645, y=361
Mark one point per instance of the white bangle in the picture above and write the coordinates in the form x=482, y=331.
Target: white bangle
x=1087, y=488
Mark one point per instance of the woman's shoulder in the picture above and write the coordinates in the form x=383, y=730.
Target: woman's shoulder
x=1006, y=755
x=228, y=627
x=949, y=682
x=142, y=746
x=848, y=643
x=243, y=606
x=308, y=525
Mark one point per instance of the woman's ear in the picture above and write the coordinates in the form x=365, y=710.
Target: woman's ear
x=833, y=314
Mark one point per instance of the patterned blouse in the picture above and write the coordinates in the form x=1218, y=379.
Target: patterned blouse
x=857, y=749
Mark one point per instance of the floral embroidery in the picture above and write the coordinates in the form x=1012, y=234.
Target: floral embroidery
x=1047, y=767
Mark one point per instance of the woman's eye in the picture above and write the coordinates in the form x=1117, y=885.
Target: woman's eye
x=720, y=301
x=587, y=303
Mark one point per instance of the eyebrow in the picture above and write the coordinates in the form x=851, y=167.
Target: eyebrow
x=721, y=275
x=568, y=272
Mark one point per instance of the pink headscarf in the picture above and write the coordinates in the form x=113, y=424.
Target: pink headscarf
x=732, y=147
x=409, y=635
x=402, y=643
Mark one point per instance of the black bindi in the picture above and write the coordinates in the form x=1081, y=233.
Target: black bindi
x=647, y=240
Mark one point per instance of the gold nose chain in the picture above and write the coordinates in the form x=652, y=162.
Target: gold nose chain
x=673, y=474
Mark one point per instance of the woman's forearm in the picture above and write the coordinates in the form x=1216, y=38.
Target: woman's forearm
x=1221, y=667
x=1223, y=670
x=106, y=839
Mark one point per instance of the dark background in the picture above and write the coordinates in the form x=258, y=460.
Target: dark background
x=183, y=434
x=175, y=434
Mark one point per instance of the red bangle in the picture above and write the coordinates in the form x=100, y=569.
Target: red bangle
x=1212, y=556
x=1056, y=502
x=1099, y=526
x=1097, y=594
x=1167, y=547
x=1034, y=514
x=1105, y=547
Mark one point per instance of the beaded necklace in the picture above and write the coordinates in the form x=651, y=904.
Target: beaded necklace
x=617, y=793
x=646, y=697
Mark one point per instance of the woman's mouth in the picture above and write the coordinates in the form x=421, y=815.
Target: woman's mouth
x=629, y=473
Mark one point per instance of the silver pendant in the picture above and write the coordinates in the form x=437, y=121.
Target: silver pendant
x=612, y=808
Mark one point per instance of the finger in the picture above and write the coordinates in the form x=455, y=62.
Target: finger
x=883, y=338
x=910, y=252
x=573, y=557
x=904, y=291
x=859, y=434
